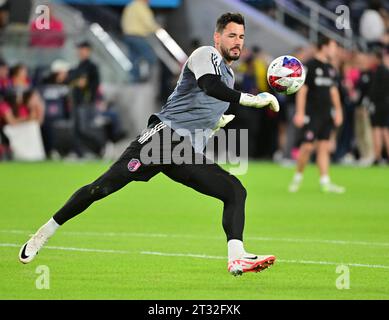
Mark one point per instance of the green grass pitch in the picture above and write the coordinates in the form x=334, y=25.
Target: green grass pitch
x=161, y=240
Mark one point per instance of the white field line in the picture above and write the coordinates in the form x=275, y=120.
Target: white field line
x=72, y=249
x=201, y=256
x=191, y=236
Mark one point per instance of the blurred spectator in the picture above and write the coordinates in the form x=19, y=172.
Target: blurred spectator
x=249, y=75
x=56, y=94
x=34, y=104
x=20, y=81
x=24, y=93
x=379, y=107
x=84, y=81
x=249, y=117
x=4, y=13
x=5, y=82
x=372, y=24
x=261, y=124
x=85, y=77
x=11, y=112
x=108, y=117
x=367, y=64
x=19, y=126
x=59, y=72
x=261, y=61
x=138, y=23
x=47, y=38
x=347, y=77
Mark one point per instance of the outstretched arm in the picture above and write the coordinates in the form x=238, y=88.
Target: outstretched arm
x=214, y=87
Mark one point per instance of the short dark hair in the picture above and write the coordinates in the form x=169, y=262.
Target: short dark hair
x=323, y=41
x=16, y=69
x=27, y=95
x=375, y=5
x=228, y=17
x=84, y=44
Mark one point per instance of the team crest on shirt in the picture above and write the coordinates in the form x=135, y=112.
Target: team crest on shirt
x=319, y=71
x=133, y=165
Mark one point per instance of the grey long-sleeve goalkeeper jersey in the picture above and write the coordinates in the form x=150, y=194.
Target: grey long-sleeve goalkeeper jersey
x=189, y=107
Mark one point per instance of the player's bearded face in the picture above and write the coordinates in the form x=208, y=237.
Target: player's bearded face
x=230, y=54
x=231, y=41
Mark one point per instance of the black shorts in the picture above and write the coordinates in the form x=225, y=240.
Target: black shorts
x=318, y=128
x=153, y=152
x=379, y=117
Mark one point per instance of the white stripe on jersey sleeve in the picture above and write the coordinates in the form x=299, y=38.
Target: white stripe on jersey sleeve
x=205, y=60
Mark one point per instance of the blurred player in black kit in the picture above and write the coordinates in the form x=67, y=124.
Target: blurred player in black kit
x=318, y=109
x=379, y=107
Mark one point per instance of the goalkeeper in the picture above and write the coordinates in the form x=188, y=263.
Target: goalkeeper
x=202, y=95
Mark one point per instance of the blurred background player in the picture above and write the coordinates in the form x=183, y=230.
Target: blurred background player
x=318, y=108
x=379, y=107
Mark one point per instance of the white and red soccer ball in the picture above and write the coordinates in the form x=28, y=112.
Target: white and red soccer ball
x=286, y=74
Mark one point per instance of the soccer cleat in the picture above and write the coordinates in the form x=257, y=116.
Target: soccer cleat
x=250, y=263
x=30, y=249
x=332, y=188
x=294, y=186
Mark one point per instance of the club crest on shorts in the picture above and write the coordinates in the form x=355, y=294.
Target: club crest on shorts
x=309, y=135
x=133, y=165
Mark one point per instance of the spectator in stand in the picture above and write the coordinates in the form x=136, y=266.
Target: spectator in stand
x=59, y=73
x=138, y=23
x=14, y=111
x=21, y=88
x=20, y=81
x=250, y=117
x=347, y=78
x=4, y=13
x=33, y=102
x=379, y=107
x=56, y=94
x=11, y=112
x=367, y=63
x=84, y=81
x=5, y=82
x=108, y=117
x=85, y=77
x=261, y=61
